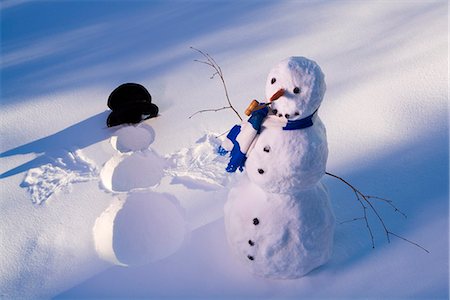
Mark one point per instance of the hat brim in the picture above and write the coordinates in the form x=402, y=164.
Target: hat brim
x=133, y=114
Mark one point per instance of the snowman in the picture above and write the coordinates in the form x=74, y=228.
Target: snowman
x=278, y=217
x=140, y=225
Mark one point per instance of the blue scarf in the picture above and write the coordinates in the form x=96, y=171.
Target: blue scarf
x=242, y=136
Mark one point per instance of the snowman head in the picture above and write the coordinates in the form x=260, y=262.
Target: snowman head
x=303, y=85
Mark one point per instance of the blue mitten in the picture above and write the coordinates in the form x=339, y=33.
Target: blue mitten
x=237, y=157
x=258, y=117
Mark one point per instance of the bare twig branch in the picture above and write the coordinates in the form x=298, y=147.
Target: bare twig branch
x=366, y=220
x=362, y=198
x=223, y=133
x=390, y=203
x=409, y=241
x=212, y=110
x=218, y=71
x=204, y=62
x=351, y=220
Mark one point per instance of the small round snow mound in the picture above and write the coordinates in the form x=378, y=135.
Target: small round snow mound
x=128, y=172
x=147, y=227
x=131, y=138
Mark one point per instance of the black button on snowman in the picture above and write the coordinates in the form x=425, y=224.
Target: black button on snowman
x=278, y=216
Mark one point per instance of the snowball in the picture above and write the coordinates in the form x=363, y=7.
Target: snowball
x=124, y=173
x=144, y=228
x=133, y=138
x=291, y=160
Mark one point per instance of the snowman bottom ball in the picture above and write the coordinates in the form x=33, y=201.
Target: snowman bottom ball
x=145, y=227
x=282, y=236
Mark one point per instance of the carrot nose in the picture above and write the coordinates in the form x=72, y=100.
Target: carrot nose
x=277, y=95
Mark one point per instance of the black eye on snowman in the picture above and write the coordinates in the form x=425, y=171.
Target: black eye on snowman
x=297, y=90
x=273, y=80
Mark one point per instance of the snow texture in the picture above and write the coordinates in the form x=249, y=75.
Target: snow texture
x=51, y=178
x=199, y=167
x=385, y=110
x=135, y=166
x=290, y=160
x=133, y=138
x=279, y=235
x=124, y=173
x=103, y=233
x=144, y=228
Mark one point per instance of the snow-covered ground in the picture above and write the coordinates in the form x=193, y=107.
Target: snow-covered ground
x=65, y=177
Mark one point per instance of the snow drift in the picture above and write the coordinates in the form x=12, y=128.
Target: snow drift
x=385, y=111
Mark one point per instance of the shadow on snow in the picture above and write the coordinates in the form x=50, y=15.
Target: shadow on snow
x=77, y=136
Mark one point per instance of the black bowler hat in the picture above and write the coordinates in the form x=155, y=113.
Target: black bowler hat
x=130, y=103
